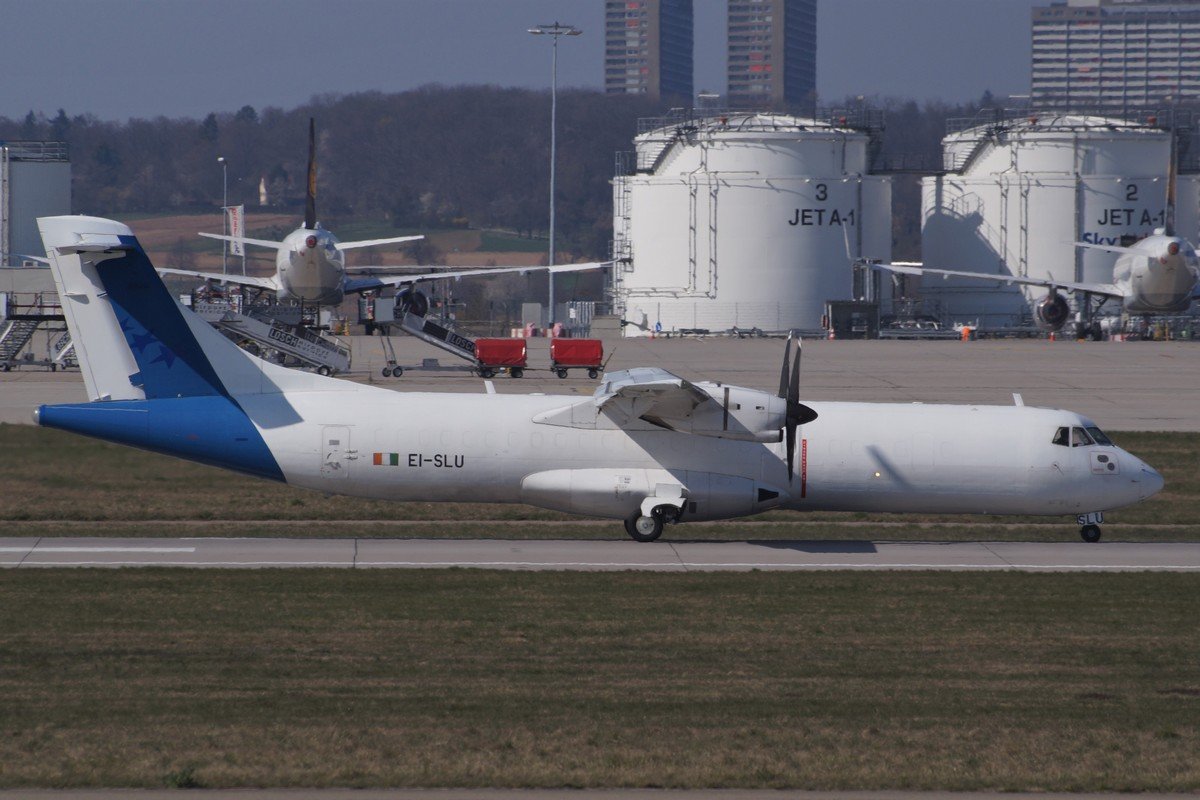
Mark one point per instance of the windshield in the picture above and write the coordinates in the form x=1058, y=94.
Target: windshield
x=1099, y=436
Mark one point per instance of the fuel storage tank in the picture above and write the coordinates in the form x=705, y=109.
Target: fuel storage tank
x=743, y=220
x=1019, y=191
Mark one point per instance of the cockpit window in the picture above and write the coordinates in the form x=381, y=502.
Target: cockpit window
x=1099, y=436
x=1062, y=437
x=1080, y=438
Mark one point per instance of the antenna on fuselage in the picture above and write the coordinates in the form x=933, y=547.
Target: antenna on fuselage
x=310, y=200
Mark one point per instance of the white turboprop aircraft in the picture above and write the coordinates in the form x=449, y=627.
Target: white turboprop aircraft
x=310, y=262
x=1157, y=275
x=648, y=447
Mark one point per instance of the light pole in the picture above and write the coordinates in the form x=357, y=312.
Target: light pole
x=554, y=31
x=224, y=213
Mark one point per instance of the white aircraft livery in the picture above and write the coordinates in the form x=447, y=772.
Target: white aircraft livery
x=648, y=447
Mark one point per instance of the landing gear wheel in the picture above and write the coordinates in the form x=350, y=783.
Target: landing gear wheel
x=644, y=529
x=387, y=372
x=562, y=373
x=324, y=370
x=1090, y=533
x=397, y=372
x=516, y=372
x=593, y=373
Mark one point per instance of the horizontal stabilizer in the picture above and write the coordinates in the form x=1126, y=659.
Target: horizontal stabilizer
x=376, y=242
x=256, y=242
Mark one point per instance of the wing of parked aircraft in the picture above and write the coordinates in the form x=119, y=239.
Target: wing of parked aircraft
x=241, y=280
x=916, y=268
x=379, y=282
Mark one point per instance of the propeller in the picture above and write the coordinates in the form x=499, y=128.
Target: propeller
x=310, y=200
x=789, y=390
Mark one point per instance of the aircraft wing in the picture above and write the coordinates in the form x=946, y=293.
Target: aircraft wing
x=915, y=268
x=241, y=280
x=374, y=242
x=378, y=282
x=1110, y=248
x=244, y=240
x=649, y=393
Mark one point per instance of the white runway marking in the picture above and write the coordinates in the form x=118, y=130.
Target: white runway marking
x=44, y=549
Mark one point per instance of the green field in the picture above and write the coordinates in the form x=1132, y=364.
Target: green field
x=56, y=482
x=474, y=678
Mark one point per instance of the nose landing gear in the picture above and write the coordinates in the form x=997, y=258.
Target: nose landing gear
x=1090, y=526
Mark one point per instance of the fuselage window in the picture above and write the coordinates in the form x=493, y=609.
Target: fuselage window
x=1099, y=436
x=1080, y=438
x=1062, y=436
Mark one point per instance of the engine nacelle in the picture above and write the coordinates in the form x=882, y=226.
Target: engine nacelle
x=618, y=493
x=1052, y=311
x=748, y=415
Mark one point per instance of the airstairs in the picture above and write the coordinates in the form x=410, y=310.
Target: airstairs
x=439, y=336
x=21, y=317
x=272, y=337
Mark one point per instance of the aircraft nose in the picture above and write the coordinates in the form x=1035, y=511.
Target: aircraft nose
x=1149, y=480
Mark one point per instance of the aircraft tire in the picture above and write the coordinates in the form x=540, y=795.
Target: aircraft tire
x=1090, y=533
x=397, y=372
x=387, y=372
x=644, y=529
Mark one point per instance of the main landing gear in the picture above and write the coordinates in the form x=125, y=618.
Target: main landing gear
x=647, y=529
x=1090, y=526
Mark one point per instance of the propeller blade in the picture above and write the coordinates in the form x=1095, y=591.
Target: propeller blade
x=791, y=450
x=783, y=375
x=310, y=200
x=793, y=394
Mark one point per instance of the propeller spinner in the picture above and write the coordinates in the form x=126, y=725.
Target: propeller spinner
x=797, y=413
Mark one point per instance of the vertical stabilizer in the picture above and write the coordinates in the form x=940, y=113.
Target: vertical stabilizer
x=310, y=194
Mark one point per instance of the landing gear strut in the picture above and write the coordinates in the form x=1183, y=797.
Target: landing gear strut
x=647, y=529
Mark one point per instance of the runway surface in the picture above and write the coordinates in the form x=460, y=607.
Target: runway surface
x=663, y=556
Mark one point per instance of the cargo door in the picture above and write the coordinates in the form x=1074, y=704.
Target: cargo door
x=335, y=451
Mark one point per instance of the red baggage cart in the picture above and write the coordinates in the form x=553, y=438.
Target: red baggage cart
x=496, y=354
x=576, y=354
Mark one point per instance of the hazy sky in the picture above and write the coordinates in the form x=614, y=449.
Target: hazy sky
x=143, y=58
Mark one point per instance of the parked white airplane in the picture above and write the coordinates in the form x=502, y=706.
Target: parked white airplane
x=310, y=262
x=1157, y=275
x=648, y=448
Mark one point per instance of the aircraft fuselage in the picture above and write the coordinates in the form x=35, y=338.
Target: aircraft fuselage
x=371, y=442
x=1161, y=281
x=311, y=268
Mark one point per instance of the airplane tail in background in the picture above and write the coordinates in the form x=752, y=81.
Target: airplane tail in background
x=158, y=377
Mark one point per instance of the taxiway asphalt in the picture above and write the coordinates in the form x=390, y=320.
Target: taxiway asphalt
x=598, y=555
x=1131, y=386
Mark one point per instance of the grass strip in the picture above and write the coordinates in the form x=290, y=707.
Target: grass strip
x=469, y=679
